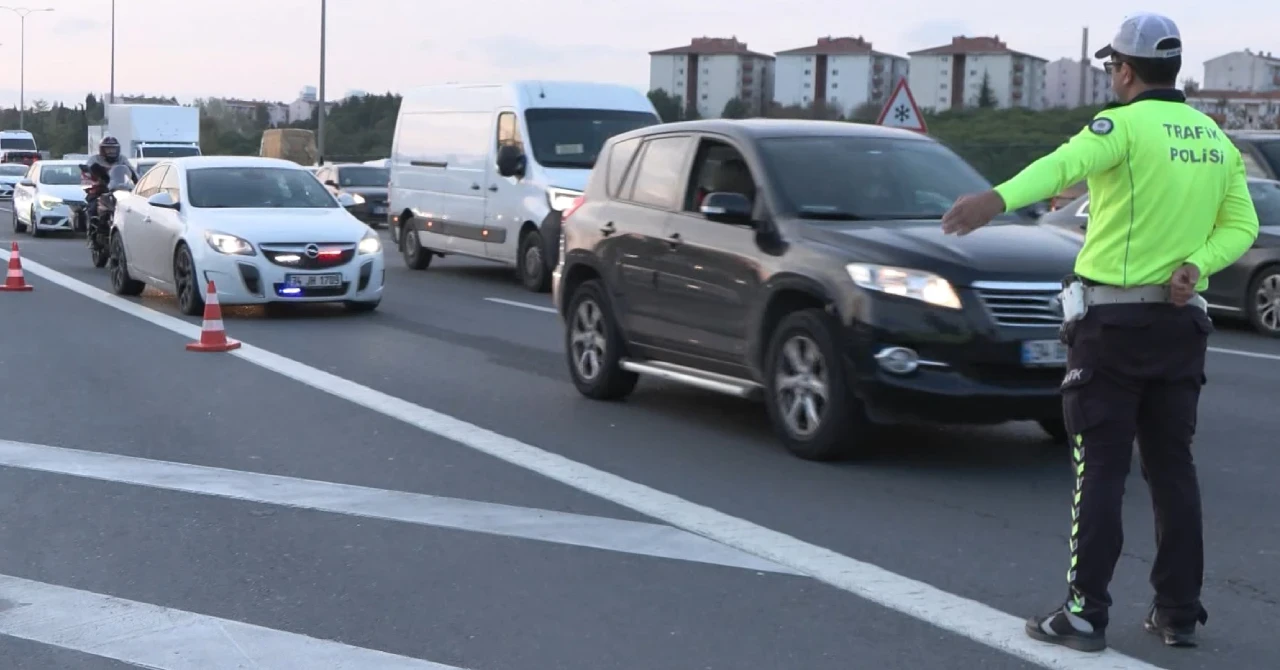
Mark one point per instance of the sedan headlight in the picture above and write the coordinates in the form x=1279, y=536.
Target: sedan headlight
x=48, y=201
x=229, y=244
x=371, y=244
x=914, y=284
x=559, y=199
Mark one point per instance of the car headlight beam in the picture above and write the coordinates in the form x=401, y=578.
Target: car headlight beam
x=905, y=282
x=371, y=244
x=229, y=244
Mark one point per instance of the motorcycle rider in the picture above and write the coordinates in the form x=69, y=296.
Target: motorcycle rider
x=96, y=173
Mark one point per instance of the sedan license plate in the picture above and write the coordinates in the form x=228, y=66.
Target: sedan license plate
x=314, y=281
x=1044, y=353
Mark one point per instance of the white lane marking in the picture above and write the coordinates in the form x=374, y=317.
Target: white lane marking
x=514, y=303
x=962, y=616
x=580, y=530
x=1247, y=354
x=162, y=638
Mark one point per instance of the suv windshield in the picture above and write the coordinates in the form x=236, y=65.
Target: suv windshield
x=363, y=177
x=867, y=177
x=256, y=187
x=1266, y=200
x=60, y=175
x=571, y=138
x=12, y=170
x=169, y=152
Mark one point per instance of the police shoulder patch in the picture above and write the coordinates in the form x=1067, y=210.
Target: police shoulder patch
x=1101, y=126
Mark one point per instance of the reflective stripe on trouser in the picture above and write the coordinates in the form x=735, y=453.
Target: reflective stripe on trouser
x=1076, y=602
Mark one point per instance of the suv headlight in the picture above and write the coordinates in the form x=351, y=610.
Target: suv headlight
x=371, y=244
x=914, y=284
x=229, y=244
x=559, y=199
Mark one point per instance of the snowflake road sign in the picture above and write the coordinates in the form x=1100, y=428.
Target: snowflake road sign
x=901, y=111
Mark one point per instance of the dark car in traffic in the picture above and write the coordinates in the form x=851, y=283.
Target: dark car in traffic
x=1248, y=288
x=804, y=262
x=366, y=184
x=1260, y=150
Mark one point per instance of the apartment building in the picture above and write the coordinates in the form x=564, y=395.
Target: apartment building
x=1062, y=85
x=840, y=72
x=1245, y=70
x=950, y=76
x=711, y=71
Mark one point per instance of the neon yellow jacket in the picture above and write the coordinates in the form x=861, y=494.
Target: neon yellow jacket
x=1166, y=187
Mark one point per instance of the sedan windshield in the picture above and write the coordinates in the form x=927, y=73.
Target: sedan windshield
x=12, y=170
x=363, y=177
x=256, y=187
x=60, y=175
x=867, y=178
x=571, y=138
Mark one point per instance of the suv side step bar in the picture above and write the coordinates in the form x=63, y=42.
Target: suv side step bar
x=709, y=381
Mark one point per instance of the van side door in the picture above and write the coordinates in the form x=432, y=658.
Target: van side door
x=503, y=195
x=417, y=177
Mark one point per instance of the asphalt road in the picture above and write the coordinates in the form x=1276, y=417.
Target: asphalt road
x=105, y=494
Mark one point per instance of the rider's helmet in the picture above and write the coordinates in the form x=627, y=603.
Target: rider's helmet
x=109, y=149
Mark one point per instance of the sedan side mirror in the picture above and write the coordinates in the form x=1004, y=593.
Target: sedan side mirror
x=511, y=161
x=163, y=200
x=330, y=182
x=725, y=207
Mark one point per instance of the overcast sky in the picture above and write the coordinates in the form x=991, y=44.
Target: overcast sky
x=269, y=49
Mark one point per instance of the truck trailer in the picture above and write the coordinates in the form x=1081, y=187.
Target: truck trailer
x=150, y=131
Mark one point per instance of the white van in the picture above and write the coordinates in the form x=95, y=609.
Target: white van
x=486, y=170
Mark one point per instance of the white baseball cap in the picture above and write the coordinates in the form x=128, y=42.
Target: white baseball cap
x=1145, y=35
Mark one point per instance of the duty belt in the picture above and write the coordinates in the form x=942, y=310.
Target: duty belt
x=1115, y=295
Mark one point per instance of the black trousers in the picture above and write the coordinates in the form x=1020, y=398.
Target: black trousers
x=1135, y=371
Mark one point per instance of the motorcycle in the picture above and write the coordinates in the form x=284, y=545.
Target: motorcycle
x=98, y=228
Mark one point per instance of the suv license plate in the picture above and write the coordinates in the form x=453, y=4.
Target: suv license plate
x=1044, y=353
x=314, y=281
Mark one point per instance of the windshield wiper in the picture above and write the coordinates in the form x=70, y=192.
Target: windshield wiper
x=831, y=216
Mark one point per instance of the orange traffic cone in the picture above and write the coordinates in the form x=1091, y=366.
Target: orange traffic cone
x=15, y=281
x=213, y=337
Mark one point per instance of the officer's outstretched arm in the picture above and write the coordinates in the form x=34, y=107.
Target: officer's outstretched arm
x=1235, y=228
x=1101, y=146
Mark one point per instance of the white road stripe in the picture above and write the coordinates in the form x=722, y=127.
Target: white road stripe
x=161, y=638
x=580, y=530
x=514, y=303
x=962, y=616
x=1247, y=354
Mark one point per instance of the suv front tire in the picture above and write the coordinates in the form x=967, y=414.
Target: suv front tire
x=594, y=346
x=807, y=393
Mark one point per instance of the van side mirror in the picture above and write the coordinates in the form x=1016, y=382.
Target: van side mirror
x=511, y=161
x=726, y=208
x=162, y=200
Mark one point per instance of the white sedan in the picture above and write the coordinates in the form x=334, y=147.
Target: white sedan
x=263, y=230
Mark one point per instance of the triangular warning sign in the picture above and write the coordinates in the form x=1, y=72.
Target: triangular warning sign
x=901, y=110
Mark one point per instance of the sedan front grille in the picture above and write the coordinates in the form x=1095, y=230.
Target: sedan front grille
x=309, y=256
x=1021, y=305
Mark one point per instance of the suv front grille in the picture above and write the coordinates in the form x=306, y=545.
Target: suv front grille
x=1021, y=304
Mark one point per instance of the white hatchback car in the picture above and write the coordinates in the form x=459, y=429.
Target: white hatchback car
x=263, y=230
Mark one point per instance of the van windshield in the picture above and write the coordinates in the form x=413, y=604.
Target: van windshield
x=571, y=138
x=20, y=143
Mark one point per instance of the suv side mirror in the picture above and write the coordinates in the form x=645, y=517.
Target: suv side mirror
x=726, y=208
x=511, y=161
x=162, y=199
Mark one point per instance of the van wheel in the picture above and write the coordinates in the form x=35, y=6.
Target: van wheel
x=531, y=263
x=807, y=395
x=593, y=345
x=415, y=256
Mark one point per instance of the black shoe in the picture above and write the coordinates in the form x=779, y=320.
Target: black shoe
x=1174, y=635
x=1067, y=629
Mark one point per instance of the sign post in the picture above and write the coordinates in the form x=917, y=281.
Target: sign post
x=901, y=110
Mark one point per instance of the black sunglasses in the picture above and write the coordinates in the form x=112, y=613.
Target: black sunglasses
x=1112, y=65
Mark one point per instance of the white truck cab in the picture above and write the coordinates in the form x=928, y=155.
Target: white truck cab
x=150, y=131
x=486, y=170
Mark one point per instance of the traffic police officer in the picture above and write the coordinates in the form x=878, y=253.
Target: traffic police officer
x=1169, y=206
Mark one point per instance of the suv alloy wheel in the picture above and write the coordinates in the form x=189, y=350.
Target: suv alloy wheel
x=593, y=345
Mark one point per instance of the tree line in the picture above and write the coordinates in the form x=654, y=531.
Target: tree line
x=356, y=129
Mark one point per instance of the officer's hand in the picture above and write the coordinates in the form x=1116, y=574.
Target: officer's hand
x=1182, y=286
x=972, y=212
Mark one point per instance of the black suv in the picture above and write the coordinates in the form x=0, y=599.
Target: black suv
x=804, y=261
